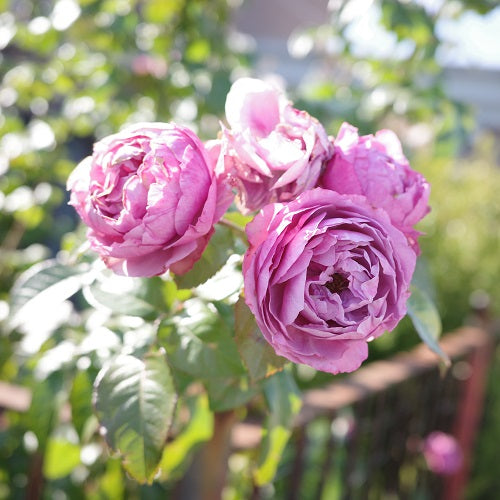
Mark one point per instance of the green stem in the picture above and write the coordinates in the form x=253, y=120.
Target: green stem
x=232, y=225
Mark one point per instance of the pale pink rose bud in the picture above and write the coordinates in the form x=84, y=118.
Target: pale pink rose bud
x=150, y=197
x=442, y=453
x=325, y=274
x=272, y=151
x=145, y=64
x=376, y=167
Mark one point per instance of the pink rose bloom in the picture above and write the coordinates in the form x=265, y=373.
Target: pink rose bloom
x=272, y=152
x=325, y=274
x=442, y=453
x=376, y=167
x=150, y=198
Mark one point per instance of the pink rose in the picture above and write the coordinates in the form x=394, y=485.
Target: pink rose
x=324, y=274
x=376, y=167
x=272, y=152
x=150, y=198
x=442, y=453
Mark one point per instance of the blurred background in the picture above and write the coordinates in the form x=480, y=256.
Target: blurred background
x=74, y=71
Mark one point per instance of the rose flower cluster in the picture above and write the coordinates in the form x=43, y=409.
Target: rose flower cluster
x=332, y=248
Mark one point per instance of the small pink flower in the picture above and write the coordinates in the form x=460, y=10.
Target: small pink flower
x=145, y=64
x=376, y=167
x=150, y=197
x=272, y=151
x=324, y=274
x=442, y=453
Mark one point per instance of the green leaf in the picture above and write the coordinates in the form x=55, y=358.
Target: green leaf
x=425, y=318
x=124, y=295
x=161, y=11
x=80, y=399
x=43, y=287
x=228, y=393
x=284, y=402
x=225, y=284
x=61, y=457
x=112, y=483
x=422, y=278
x=198, y=430
x=171, y=294
x=199, y=342
x=275, y=441
x=135, y=401
x=215, y=255
x=198, y=50
x=44, y=409
x=258, y=356
x=237, y=219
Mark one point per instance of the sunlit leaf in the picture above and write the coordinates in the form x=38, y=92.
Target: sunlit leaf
x=43, y=287
x=198, y=429
x=422, y=278
x=135, y=401
x=44, y=408
x=80, y=399
x=237, y=220
x=198, y=51
x=225, y=284
x=61, y=457
x=161, y=11
x=284, y=403
x=426, y=320
x=112, y=483
x=130, y=296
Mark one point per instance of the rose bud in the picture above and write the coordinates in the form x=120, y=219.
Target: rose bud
x=442, y=453
x=376, y=167
x=272, y=151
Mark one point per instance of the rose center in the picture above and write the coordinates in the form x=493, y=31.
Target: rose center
x=337, y=283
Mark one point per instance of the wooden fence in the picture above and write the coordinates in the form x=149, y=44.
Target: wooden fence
x=361, y=437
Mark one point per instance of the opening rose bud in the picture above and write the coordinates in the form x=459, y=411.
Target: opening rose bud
x=324, y=274
x=376, y=167
x=442, y=453
x=150, y=197
x=272, y=151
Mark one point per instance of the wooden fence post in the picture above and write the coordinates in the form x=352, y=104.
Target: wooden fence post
x=468, y=417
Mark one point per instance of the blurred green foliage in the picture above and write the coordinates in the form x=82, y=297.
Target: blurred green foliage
x=72, y=72
x=461, y=239
x=460, y=242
